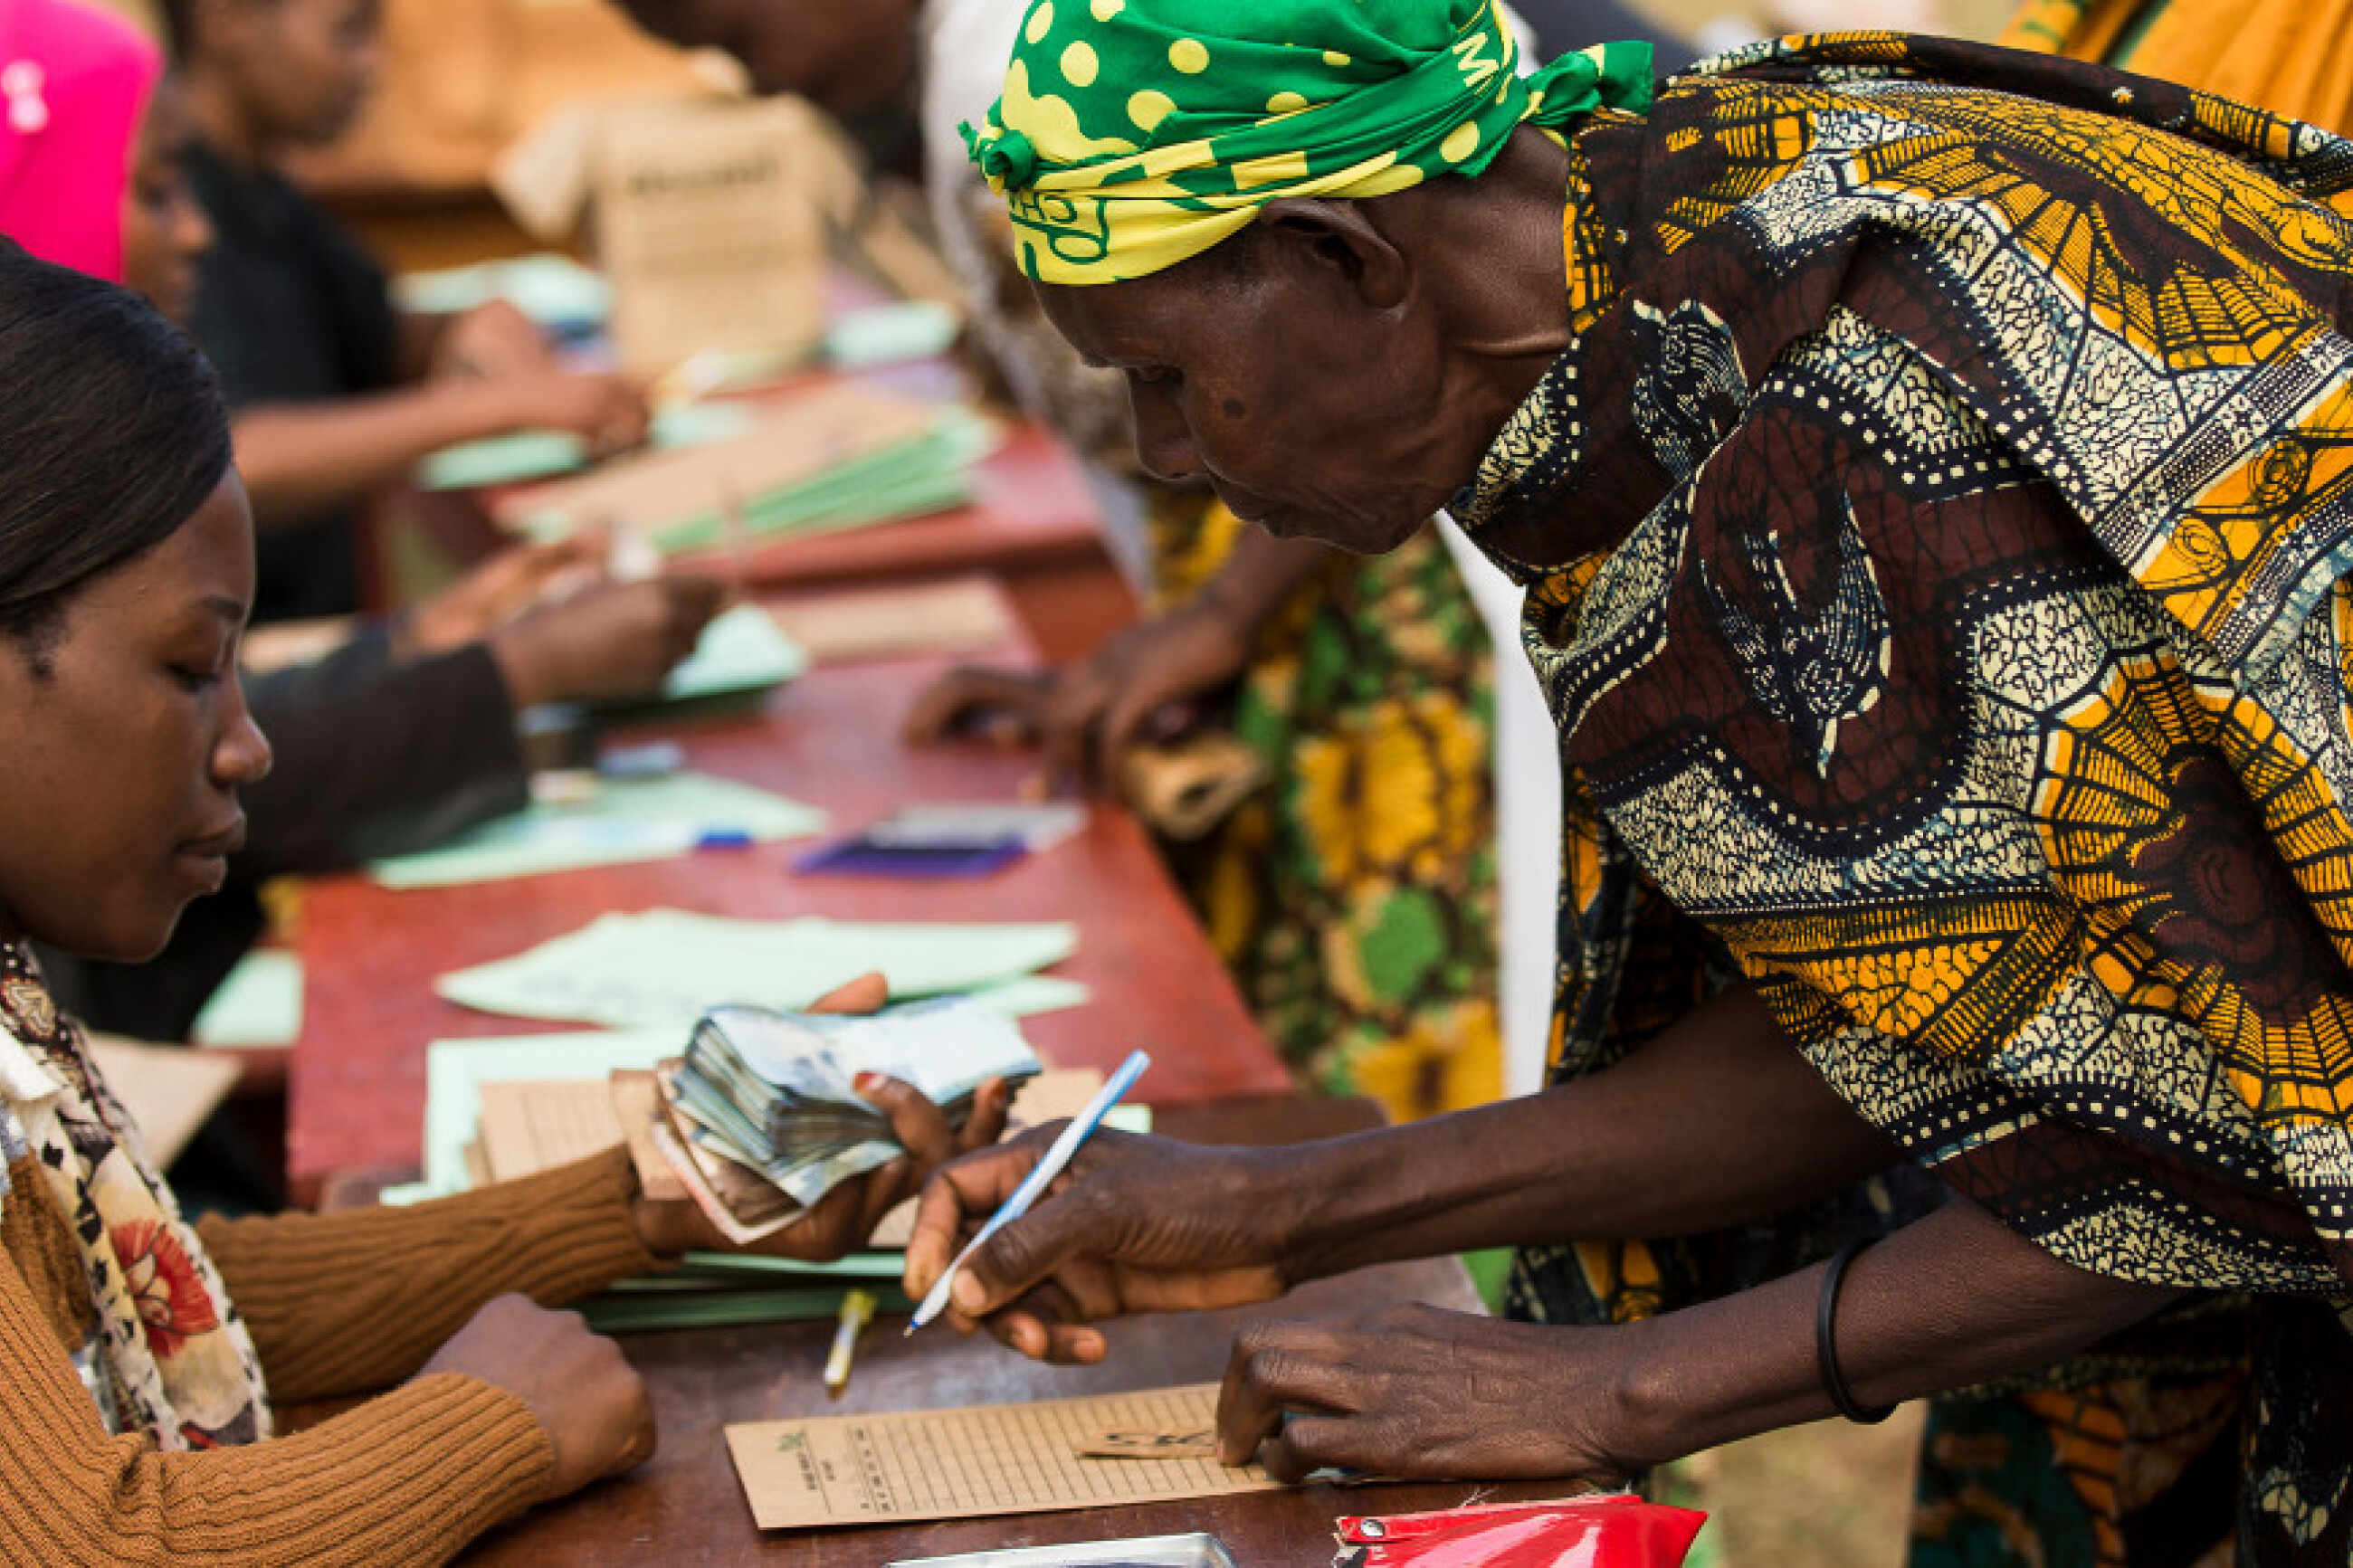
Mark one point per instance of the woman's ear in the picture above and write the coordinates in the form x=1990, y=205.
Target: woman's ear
x=1339, y=236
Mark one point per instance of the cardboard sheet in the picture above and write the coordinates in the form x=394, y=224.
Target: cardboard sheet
x=969, y=1463
x=528, y=1127
x=168, y=1089
x=707, y=228
x=965, y=615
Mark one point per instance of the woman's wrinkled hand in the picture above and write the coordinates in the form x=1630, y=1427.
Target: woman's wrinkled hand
x=1140, y=685
x=1004, y=707
x=1135, y=1225
x=1414, y=1391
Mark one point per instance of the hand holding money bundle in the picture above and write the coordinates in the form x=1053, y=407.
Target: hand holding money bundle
x=762, y=1116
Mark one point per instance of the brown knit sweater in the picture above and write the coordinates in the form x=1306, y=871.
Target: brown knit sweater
x=337, y=1304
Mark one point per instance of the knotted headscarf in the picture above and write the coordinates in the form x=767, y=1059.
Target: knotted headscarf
x=1135, y=134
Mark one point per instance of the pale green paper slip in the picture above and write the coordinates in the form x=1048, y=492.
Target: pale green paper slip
x=664, y=968
x=552, y=290
x=889, y=332
x=455, y=1071
x=627, y=819
x=260, y=1003
x=523, y=454
x=742, y=650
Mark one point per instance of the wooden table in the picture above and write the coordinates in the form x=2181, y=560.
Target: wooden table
x=687, y=1507
x=357, y=1095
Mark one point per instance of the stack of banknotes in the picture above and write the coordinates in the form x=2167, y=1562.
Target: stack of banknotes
x=762, y=1119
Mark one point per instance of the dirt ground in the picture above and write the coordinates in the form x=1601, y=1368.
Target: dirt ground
x=1830, y=1495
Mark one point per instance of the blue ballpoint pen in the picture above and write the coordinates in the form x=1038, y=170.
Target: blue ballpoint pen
x=1046, y=1170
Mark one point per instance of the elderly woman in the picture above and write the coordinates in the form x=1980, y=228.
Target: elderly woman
x=1927, y=468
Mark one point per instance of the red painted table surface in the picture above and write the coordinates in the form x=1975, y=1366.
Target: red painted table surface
x=356, y=1090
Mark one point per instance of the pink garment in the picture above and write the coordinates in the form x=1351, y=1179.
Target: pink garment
x=73, y=82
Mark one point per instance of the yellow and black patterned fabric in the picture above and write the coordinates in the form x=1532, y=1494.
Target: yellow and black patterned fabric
x=1935, y=538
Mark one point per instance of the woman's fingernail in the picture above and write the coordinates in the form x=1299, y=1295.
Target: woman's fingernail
x=866, y=1082
x=966, y=1294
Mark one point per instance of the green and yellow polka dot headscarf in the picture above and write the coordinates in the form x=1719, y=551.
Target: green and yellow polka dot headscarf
x=1135, y=134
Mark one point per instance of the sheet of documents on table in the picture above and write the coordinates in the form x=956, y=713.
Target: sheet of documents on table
x=742, y=650
x=964, y=1464
x=624, y=820
x=662, y=969
x=259, y=1005
x=836, y=455
x=964, y=615
x=532, y=1101
x=456, y=1072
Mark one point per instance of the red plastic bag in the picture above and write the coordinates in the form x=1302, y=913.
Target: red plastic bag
x=1615, y=1530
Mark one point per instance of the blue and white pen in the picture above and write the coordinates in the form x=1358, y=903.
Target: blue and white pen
x=1058, y=1156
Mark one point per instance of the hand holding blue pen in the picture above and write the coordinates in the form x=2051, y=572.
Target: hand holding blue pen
x=1058, y=1157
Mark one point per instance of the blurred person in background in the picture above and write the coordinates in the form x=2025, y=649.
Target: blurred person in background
x=334, y=390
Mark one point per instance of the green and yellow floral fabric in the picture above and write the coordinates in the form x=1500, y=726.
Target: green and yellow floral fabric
x=1353, y=895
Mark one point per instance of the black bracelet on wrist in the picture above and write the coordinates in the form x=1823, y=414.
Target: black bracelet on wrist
x=1826, y=1339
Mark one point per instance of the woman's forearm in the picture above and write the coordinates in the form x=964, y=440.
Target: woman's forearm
x=1950, y=1300
x=298, y=461
x=1260, y=574
x=346, y=1302
x=1953, y=1300
x=1718, y=1122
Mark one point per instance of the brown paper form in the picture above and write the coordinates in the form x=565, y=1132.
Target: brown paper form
x=1194, y=1443
x=709, y=229
x=964, y=1464
x=531, y=1127
x=966, y=615
x=636, y=1103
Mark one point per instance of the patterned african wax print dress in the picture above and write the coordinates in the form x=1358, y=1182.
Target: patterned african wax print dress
x=1934, y=538
x=1353, y=895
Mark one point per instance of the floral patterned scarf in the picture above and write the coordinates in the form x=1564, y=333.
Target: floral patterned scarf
x=166, y=1353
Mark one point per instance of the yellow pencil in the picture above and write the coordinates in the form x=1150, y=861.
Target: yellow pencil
x=857, y=1309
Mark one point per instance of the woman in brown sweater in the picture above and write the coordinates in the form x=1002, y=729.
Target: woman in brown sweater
x=141, y=1355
